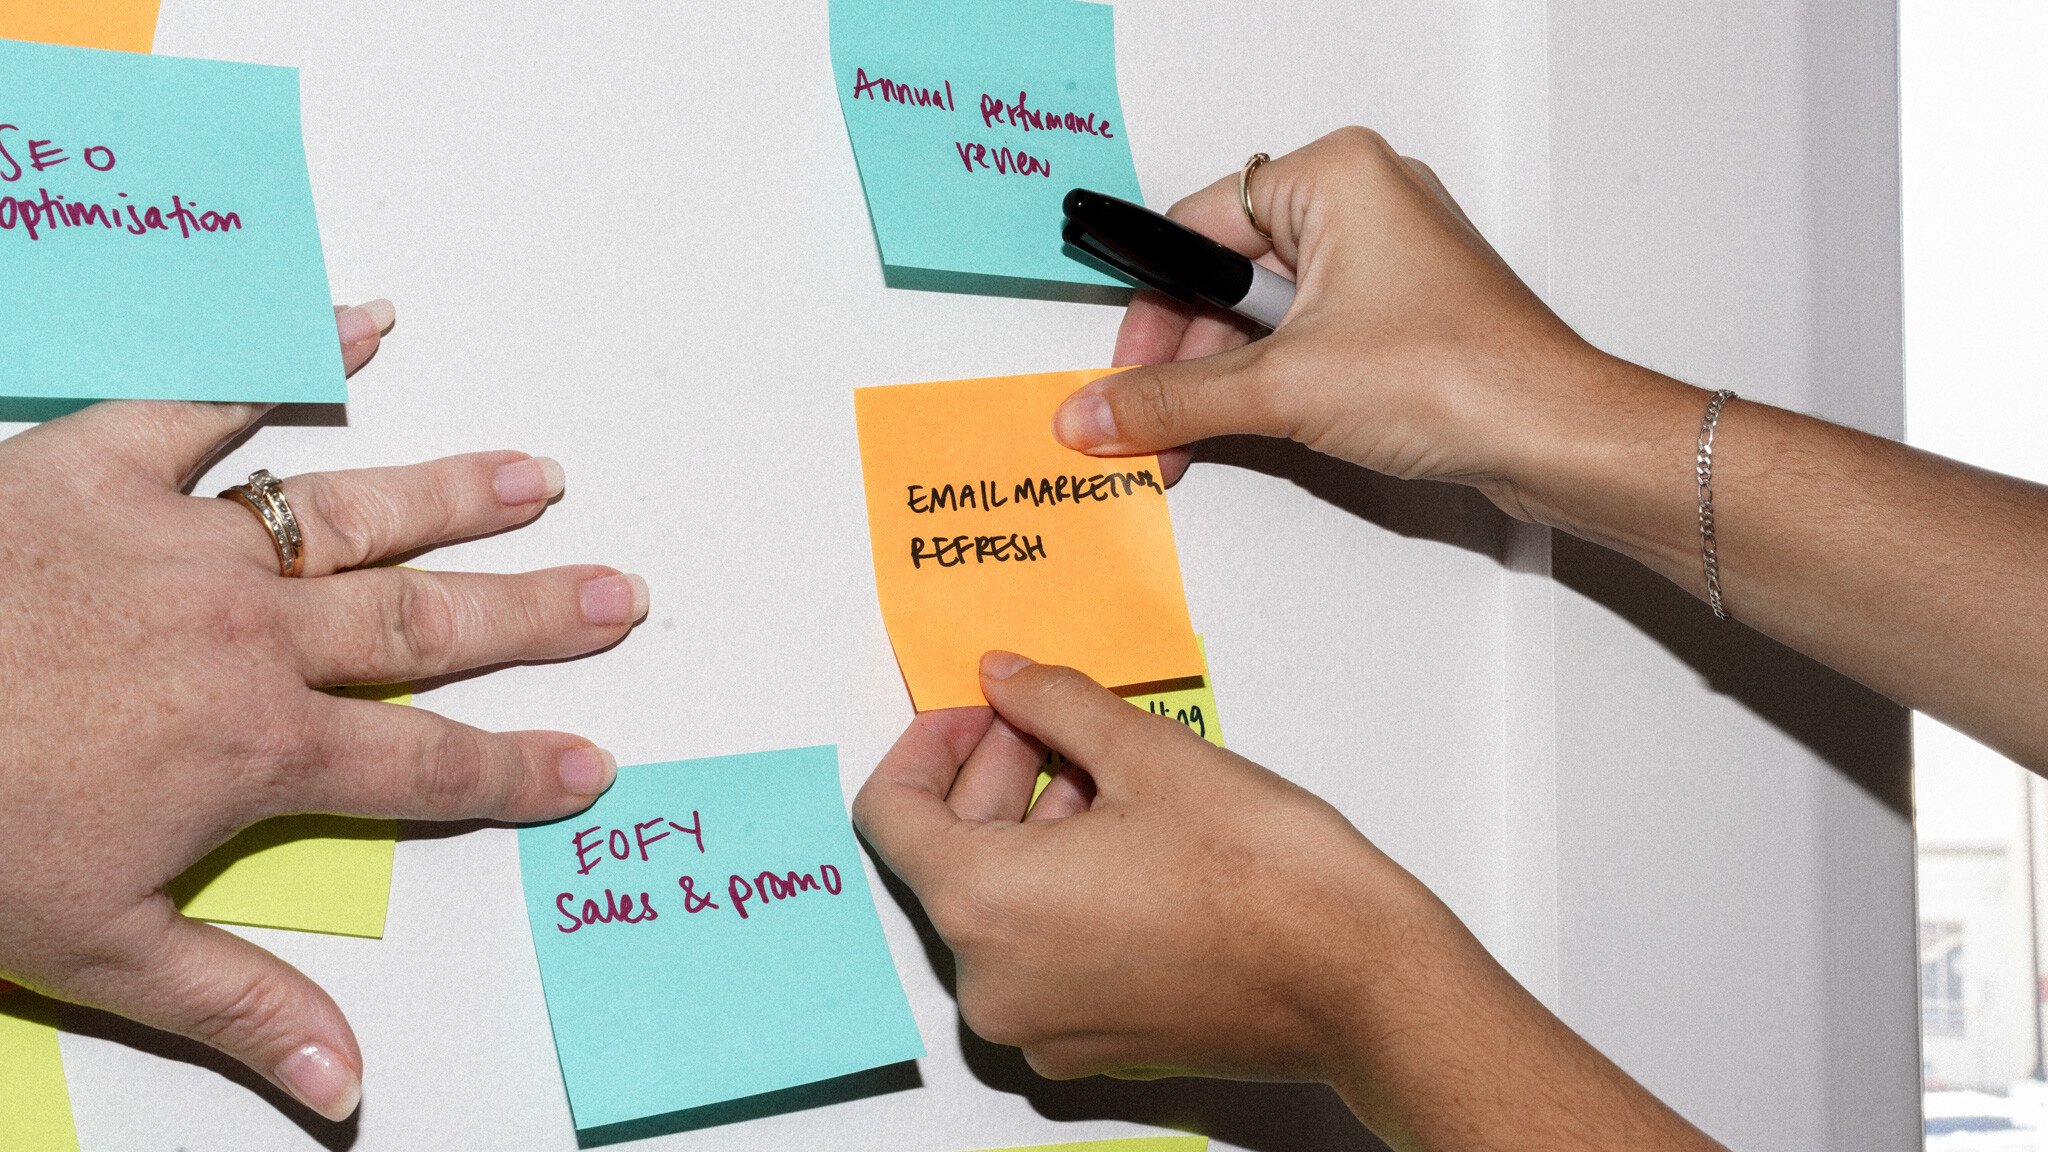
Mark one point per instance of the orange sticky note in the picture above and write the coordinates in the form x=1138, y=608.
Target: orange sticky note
x=988, y=533
x=120, y=25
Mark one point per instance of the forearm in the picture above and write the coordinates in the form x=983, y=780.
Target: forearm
x=1918, y=576
x=1461, y=1057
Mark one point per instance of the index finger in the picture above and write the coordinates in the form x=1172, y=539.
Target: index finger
x=169, y=441
x=902, y=809
x=1285, y=191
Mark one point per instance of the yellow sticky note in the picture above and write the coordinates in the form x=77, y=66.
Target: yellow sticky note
x=1193, y=705
x=988, y=533
x=35, y=1106
x=307, y=873
x=1129, y=1144
x=120, y=25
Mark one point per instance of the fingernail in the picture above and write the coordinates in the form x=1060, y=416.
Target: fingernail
x=321, y=1082
x=528, y=481
x=383, y=313
x=588, y=771
x=1002, y=665
x=1084, y=422
x=613, y=600
x=356, y=325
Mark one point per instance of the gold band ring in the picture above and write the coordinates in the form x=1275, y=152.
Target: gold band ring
x=264, y=495
x=1244, y=192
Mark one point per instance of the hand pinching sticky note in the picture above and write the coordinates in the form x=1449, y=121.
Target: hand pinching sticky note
x=988, y=533
x=706, y=933
x=970, y=120
x=157, y=231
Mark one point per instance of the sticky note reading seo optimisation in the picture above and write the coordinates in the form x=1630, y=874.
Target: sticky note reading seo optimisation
x=307, y=873
x=971, y=120
x=157, y=231
x=35, y=1105
x=988, y=533
x=122, y=25
x=705, y=933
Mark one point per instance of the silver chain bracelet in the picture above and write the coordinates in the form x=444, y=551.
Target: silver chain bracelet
x=1705, y=468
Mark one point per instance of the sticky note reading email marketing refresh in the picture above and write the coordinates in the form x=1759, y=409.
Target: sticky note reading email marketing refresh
x=705, y=933
x=157, y=231
x=970, y=120
x=988, y=533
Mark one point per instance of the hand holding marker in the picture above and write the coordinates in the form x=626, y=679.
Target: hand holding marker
x=1166, y=256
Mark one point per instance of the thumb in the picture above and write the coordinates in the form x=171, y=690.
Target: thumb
x=1165, y=406
x=209, y=985
x=1078, y=718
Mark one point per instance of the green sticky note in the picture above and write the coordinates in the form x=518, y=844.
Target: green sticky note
x=971, y=120
x=35, y=1106
x=1127, y=1144
x=1192, y=704
x=705, y=933
x=306, y=873
x=157, y=235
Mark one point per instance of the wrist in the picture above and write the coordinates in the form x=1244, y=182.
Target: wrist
x=1610, y=459
x=1381, y=970
x=1438, y=1046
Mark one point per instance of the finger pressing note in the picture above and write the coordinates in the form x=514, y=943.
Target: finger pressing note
x=364, y=516
x=390, y=625
x=375, y=759
x=168, y=441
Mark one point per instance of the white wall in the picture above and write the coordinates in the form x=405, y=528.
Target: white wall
x=1711, y=881
x=1734, y=855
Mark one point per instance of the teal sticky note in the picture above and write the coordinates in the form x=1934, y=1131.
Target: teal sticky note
x=706, y=933
x=157, y=234
x=970, y=121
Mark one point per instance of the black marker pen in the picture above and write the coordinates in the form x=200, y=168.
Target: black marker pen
x=1140, y=244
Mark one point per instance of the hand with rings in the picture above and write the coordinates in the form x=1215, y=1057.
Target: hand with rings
x=163, y=656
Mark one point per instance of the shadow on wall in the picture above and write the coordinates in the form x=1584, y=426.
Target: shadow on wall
x=1421, y=509
x=1261, y=1117
x=1859, y=733
x=1862, y=735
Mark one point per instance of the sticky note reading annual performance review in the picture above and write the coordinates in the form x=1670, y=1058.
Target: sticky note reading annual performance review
x=971, y=120
x=988, y=533
x=157, y=232
x=705, y=933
